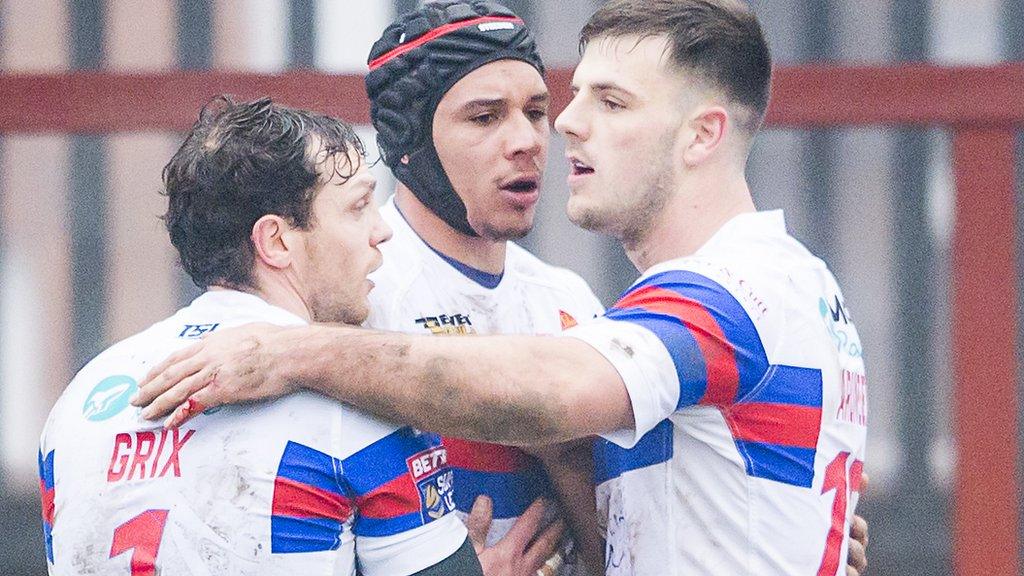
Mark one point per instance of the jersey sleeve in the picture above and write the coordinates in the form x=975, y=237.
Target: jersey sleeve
x=403, y=490
x=677, y=339
x=46, y=494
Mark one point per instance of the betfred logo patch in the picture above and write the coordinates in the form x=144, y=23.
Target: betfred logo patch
x=445, y=324
x=434, y=480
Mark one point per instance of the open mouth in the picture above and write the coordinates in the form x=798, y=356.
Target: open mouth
x=579, y=168
x=521, y=185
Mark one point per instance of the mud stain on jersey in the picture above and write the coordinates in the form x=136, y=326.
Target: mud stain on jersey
x=626, y=348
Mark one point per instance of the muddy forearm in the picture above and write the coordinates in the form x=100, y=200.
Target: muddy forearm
x=513, y=390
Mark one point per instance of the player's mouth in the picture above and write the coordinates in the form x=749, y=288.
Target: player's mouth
x=578, y=171
x=521, y=191
x=377, y=263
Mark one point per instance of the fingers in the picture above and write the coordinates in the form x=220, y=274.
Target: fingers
x=174, y=358
x=527, y=525
x=179, y=392
x=193, y=406
x=545, y=545
x=479, y=522
x=166, y=374
x=552, y=566
x=859, y=530
x=851, y=572
x=857, y=559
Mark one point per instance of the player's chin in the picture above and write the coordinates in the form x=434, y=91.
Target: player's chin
x=512, y=225
x=576, y=209
x=357, y=314
x=585, y=215
x=513, y=232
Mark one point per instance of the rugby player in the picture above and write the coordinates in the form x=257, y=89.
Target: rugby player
x=733, y=414
x=460, y=106
x=271, y=211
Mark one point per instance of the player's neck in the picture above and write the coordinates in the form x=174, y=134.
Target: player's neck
x=481, y=253
x=694, y=213
x=277, y=289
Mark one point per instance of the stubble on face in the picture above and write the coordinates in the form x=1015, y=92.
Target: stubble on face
x=630, y=214
x=332, y=299
x=493, y=231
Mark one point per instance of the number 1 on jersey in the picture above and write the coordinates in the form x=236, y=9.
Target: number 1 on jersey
x=142, y=535
x=837, y=479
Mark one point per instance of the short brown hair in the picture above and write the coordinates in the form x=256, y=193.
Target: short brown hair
x=243, y=160
x=720, y=40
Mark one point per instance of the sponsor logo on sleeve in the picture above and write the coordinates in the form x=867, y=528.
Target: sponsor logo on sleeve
x=839, y=324
x=109, y=397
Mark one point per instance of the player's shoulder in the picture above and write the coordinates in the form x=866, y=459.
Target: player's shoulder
x=132, y=353
x=752, y=256
x=101, y=390
x=758, y=242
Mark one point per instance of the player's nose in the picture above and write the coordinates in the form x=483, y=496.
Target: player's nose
x=525, y=136
x=381, y=232
x=570, y=123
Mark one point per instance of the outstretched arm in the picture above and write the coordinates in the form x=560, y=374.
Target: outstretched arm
x=509, y=389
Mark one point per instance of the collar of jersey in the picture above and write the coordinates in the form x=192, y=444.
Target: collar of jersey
x=244, y=303
x=760, y=222
x=484, y=279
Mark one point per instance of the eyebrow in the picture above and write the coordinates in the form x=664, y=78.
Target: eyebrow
x=483, y=103
x=540, y=98
x=602, y=86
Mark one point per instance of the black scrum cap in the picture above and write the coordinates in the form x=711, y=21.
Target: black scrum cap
x=416, y=61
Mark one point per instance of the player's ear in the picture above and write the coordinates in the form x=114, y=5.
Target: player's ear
x=274, y=241
x=707, y=130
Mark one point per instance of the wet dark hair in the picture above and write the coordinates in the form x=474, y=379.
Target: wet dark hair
x=719, y=40
x=241, y=161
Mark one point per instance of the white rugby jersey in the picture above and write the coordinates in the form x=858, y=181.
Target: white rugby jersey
x=420, y=291
x=299, y=485
x=745, y=374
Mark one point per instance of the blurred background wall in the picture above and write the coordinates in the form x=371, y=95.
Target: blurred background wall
x=84, y=260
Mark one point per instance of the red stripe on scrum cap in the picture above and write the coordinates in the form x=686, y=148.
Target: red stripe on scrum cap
x=437, y=33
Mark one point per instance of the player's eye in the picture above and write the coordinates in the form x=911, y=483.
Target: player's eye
x=537, y=114
x=612, y=104
x=361, y=204
x=484, y=119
